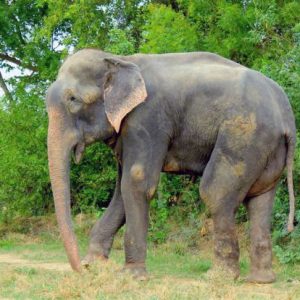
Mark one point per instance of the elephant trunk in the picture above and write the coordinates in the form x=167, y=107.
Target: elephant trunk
x=60, y=144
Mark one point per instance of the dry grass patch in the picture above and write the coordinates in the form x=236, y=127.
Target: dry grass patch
x=106, y=281
x=35, y=267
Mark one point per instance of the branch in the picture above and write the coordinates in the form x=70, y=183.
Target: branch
x=14, y=60
x=19, y=30
x=5, y=89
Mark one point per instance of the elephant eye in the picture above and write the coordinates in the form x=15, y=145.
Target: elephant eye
x=73, y=104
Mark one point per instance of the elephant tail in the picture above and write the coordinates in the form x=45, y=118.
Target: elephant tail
x=291, y=143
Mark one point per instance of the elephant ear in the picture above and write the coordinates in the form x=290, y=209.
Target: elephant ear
x=124, y=89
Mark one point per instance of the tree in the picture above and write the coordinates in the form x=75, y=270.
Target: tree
x=35, y=36
x=167, y=31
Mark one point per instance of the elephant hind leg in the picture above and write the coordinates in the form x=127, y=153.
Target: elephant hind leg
x=226, y=241
x=235, y=165
x=259, y=210
x=223, y=187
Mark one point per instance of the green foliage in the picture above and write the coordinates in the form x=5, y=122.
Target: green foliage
x=24, y=179
x=287, y=245
x=94, y=179
x=177, y=197
x=119, y=42
x=159, y=226
x=37, y=35
x=167, y=31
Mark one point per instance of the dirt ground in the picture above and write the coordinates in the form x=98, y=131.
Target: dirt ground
x=34, y=266
x=16, y=261
x=22, y=278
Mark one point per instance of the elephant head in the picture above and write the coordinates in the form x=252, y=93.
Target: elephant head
x=93, y=92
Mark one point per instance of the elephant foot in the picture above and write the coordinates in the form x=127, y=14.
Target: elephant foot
x=261, y=276
x=90, y=258
x=227, y=255
x=222, y=272
x=234, y=273
x=137, y=270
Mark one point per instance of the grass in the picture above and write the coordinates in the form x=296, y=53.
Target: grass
x=176, y=272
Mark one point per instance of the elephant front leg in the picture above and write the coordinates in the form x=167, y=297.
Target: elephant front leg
x=138, y=186
x=104, y=230
x=259, y=210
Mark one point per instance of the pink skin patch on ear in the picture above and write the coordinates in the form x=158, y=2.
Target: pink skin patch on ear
x=134, y=99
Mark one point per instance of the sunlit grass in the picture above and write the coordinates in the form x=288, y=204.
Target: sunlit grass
x=176, y=272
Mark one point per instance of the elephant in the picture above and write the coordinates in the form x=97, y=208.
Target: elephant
x=191, y=113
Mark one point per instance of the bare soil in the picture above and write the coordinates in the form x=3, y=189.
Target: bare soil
x=14, y=260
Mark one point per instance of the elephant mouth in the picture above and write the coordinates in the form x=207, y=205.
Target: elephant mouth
x=111, y=141
x=78, y=152
x=79, y=148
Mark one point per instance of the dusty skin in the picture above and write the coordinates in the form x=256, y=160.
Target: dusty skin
x=212, y=125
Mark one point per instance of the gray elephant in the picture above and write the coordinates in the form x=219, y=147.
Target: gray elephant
x=185, y=113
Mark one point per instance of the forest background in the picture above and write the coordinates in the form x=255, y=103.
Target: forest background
x=36, y=36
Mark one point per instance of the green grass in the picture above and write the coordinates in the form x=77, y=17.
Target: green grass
x=176, y=272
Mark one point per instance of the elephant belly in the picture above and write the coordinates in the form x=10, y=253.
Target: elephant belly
x=184, y=165
x=193, y=160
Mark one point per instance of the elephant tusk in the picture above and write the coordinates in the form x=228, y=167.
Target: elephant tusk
x=78, y=152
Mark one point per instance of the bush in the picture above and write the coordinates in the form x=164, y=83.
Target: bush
x=25, y=187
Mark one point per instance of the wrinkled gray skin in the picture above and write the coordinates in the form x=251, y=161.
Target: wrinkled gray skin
x=192, y=113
